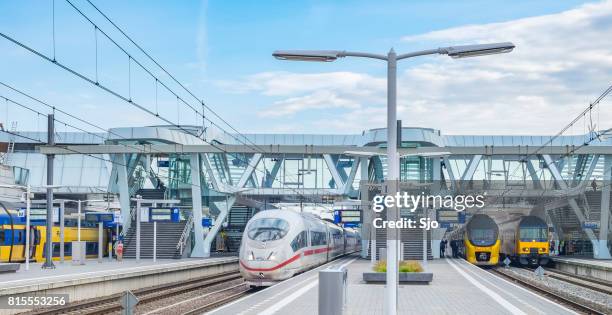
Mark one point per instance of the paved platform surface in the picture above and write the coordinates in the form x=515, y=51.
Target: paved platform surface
x=93, y=269
x=595, y=263
x=457, y=288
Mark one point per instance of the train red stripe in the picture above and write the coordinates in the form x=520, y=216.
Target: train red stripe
x=286, y=262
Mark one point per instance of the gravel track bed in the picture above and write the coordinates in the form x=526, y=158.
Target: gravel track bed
x=594, y=299
x=207, y=295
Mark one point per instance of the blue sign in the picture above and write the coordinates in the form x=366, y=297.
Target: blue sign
x=337, y=217
x=207, y=222
x=461, y=216
x=590, y=225
x=445, y=225
x=351, y=225
x=163, y=163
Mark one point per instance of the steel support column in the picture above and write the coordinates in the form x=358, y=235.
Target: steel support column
x=366, y=212
x=120, y=164
x=196, y=200
x=348, y=185
x=224, y=208
x=249, y=170
x=534, y=175
x=471, y=168
x=333, y=170
x=602, y=251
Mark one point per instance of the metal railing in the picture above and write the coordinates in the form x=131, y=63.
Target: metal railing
x=185, y=235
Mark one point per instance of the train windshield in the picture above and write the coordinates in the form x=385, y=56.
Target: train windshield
x=482, y=237
x=268, y=229
x=539, y=234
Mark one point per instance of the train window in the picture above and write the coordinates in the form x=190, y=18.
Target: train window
x=482, y=237
x=318, y=238
x=529, y=234
x=1, y=235
x=300, y=241
x=268, y=229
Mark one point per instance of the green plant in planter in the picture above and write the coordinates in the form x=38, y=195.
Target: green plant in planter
x=404, y=266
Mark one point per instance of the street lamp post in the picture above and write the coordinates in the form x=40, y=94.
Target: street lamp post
x=393, y=158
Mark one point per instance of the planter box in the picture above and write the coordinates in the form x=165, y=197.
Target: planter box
x=404, y=277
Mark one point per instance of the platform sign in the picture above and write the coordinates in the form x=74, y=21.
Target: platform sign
x=37, y=214
x=99, y=217
x=351, y=225
x=164, y=214
x=207, y=222
x=163, y=163
x=590, y=225
x=448, y=216
x=347, y=216
x=117, y=217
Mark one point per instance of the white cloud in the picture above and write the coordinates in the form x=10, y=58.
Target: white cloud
x=561, y=62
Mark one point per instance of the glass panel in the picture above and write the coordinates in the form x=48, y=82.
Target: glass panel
x=535, y=233
x=268, y=229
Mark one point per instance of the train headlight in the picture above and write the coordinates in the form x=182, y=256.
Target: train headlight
x=271, y=256
x=525, y=249
x=251, y=256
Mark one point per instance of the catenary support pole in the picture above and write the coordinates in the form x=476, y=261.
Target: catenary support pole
x=27, y=254
x=100, y=241
x=79, y=221
x=49, y=232
x=62, y=230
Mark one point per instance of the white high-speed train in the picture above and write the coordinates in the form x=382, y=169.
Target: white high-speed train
x=278, y=244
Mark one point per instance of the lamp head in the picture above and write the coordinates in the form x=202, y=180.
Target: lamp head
x=478, y=50
x=308, y=55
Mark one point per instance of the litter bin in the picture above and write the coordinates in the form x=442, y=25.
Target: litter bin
x=332, y=291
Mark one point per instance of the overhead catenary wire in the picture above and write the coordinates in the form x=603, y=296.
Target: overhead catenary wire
x=56, y=109
x=199, y=99
x=116, y=94
x=592, y=134
x=150, y=73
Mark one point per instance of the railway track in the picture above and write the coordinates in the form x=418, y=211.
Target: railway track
x=575, y=305
x=109, y=304
x=587, y=282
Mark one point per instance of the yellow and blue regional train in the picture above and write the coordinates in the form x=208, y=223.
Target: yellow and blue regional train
x=525, y=241
x=478, y=241
x=13, y=236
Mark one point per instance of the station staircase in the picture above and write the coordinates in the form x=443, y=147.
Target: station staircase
x=168, y=236
x=238, y=217
x=590, y=204
x=411, y=240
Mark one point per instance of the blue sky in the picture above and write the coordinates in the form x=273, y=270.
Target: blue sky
x=222, y=51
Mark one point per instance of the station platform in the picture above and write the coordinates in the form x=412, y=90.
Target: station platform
x=457, y=288
x=95, y=279
x=594, y=268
